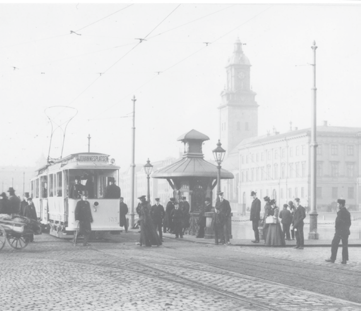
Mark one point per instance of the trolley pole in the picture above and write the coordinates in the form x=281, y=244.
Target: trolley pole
x=132, y=214
x=89, y=143
x=313, y=235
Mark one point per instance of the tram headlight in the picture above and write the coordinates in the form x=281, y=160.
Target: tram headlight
x=95, y=206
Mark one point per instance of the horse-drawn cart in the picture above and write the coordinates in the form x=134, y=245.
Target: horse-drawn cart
x=17, y=231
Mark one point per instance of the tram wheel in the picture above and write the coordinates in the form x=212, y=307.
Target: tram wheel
x=2, y=238
x=17, y=242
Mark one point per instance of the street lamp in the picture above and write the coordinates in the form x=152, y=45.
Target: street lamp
x=148, y=168
x=219, y=154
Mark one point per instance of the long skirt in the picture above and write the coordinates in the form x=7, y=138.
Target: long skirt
x=148, y=234
x=275, y=235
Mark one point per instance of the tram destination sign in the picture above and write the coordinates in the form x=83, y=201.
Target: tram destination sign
x=92, y=158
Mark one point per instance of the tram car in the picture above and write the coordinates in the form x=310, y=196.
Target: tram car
x=55, y=200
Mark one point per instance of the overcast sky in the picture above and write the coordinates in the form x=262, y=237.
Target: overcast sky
x=176, y=78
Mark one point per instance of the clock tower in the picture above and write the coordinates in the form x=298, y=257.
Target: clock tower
x=238, y=112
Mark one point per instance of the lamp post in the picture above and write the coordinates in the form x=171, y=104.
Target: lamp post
x=219, y=154
x=148, y=168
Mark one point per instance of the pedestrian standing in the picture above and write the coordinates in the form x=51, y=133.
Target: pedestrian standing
x=218, y=224
x=167, y=224
x=177, y=218
x=299, y=216
x=123, y=211
x=255, y=215
x=30, y=212
x=148, y=234
x=267, y=212
x=14, y=202
x=274, y=232
x=184, y=206
x=84, y=217
x=112, y=191
x=225, y=210
x=157, y=213
x=292, y=210
x=5, y=204
x=24, y=204
x=342, y=228
x=286, y=219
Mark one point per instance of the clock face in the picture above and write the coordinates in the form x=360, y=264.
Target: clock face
x=241, y=75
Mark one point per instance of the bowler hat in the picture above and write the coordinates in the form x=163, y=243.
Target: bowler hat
x=141, y=197
x=26, y=195
x=11, y=189
x=3, y=195
x=157, y=199
x=29, y=198
x=221, y=193
x=266, y=198
x=184, y=198
x=273, y=201
x=297, y=200
x=253, y=193
x=172, y=199
x=341, y=201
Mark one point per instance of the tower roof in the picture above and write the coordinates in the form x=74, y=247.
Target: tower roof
x=193, y=135
x=238, y=57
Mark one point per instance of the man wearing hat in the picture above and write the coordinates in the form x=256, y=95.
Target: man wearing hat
x=84, y=217
x=14, y=202
x=225, y=210
x=123, y=211
x=299, y=216
x=184, y=207
x=168, y=224
x=267, y=212
x=77, y=189
x=255, y=215
x=30, y=212
x=24, y=204
x=342, y=226
x=157, y=213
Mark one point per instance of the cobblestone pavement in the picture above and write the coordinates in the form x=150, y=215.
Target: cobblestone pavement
x=52, y=274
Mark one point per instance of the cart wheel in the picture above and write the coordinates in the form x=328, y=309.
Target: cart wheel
x=17, y=242
x=2, y=238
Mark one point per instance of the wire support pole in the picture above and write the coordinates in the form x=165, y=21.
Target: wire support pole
x=313, y=155
x=133, y=167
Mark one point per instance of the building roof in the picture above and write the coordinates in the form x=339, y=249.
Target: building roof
x=193, y=135
x=321, y=131
x=238, y=57
x=191, y=167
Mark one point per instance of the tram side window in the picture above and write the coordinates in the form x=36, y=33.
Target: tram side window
x=51, y=185
x=44, y=186
x=59, y=184
x=37, y=188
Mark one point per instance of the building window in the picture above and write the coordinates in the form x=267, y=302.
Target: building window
x=291, y=151
x=252, y=157
x=252, y=172
x=334, y=192
x=269, y=172
x=302, y=192
x=262, y=173
x=283, y=170
x=303, y=149
x=269, y=154
x=246, y=158
x=275, y=169
x=297, y=165
x=276, y=154
x=282, y=152
x=296, y=192
x=297, y=150
x=257, y=157
x=246, y=175
x=334, y=150
x=334, y=168
x=319, y=169
x=281, y=193
x=350, y=150
x=350, y=169
x=290, y=170
x=290, y=193
x=319, y=150
x=303, y=169
x=350, y=193
x=261, y=156
x=319, y=192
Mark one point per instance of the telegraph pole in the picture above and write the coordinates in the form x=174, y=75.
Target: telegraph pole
x=313, y=235
x=89, y=142
x=132, y=214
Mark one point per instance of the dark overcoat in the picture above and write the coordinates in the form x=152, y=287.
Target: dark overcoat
x=112, y=192
x=157, y=213
x=13, y=204
x=123, y=210
x=255, y=210
x=299, y=216
x=343, y=222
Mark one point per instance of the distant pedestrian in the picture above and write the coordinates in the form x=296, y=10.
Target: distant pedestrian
x=14, y=202
x=30, y=212
x=148, y=234
x=112, y=191
x=157, y=213
x=123, y=211
x=267, y=212
x=342, y=228
x=84, y=217
x=24, y=204
x=292, y=210
x=218, y=225
x=168, y=224
x=255, y=215
x=299, y=216
x=4, y=204
x=177, y=218
x=225, y=210
x=207, y=207
x=184, y=206
x=286, y=219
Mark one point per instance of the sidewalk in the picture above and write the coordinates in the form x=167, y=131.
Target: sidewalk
x=244, y=242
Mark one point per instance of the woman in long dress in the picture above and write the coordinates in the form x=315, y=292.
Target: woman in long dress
x=267, y=212
x=148, y=233
x=275, y=236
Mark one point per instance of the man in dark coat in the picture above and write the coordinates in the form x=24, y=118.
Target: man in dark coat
x=4, y=204
x=286, y=219
x=13, y=202
x=225, y=210
x=30, y=212
x=167, y=223
x=299, y=216
x=292, y=210
x=218, y=224
x=77, y=189
x=148, y=234
x=184, y=206
x=177, y=218
x=123, y=210
x=157, y=213
x=342, y=226
x=84, y=216
x=255, y=215
x=207, y=207
x=24, y=204
x=112, y=191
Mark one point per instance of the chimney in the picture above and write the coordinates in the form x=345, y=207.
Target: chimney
x=325, y=123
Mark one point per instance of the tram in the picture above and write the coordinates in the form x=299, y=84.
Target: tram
x=55, y=203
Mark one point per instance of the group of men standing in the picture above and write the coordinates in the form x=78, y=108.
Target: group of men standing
x=176, y=217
